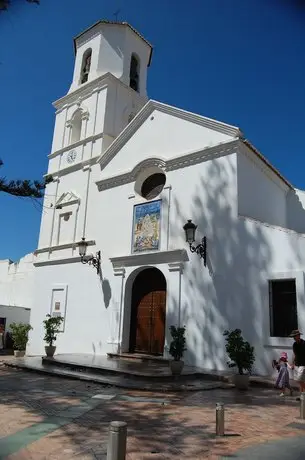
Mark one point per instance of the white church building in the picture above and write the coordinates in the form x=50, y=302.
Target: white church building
x=128, y=173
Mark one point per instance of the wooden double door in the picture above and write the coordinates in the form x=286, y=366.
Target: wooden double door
x=148, y=312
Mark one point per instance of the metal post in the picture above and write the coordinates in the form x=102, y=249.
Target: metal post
x=220, y=419
x=116, y=449
x=302, y=406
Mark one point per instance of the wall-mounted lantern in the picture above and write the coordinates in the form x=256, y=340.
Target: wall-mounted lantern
x=190, y=233
x=94, y=260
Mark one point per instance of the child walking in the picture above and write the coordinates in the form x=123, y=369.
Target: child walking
x=282, y=381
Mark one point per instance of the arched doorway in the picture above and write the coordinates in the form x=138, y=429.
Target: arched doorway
x=148, y=311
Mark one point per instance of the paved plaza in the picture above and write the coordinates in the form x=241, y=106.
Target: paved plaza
x=47, y=417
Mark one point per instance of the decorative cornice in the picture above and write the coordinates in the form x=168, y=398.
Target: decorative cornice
x=86, y=90
x=93, y=138
x=85, y=115
x=266, y=224
x=66, y=260
x=119, y=272
x=147, y=110
x=75, y=167
x=176, y=267
x=182, y=161
x=149, y=258
x=61, y=246
x=67, y=199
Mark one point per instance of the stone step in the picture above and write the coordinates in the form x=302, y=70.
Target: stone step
x=109, y=366
x=190, y=383
x=139, y=357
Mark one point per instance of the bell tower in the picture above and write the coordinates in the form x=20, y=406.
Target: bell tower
x=111, y=59
x=113, y=47
x=108, y=89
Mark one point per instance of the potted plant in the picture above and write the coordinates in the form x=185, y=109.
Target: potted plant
x=241, y=355
x=177, y=349
x=52, y=326
x=20, y=337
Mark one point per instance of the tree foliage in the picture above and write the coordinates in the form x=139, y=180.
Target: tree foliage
x=177, y=346
x=25, y=187
x=240, y=352
x=5, y=4
x=52, y=328
x=20, y=335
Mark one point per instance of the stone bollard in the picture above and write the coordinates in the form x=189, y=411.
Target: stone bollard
x=117, y=437
x=302, y=406
x=220, y=419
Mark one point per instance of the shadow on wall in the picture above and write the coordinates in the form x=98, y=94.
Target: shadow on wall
x=106, y=289
x=296, y=211
x=231, y=291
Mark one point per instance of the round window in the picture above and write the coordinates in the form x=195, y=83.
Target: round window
x=153, y=186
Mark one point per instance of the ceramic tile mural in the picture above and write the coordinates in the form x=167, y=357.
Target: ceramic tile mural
x=146, y=226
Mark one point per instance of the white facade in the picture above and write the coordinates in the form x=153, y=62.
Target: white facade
x=254, y=220
x=16, y=290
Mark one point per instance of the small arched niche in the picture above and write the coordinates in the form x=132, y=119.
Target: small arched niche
x=76, y=126
x=134, y=73
x=86, y=65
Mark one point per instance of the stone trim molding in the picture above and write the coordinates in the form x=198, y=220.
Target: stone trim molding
x=176, y=267
x=58, y=247
x=119, y=272
x=147, y=110
x=151, y=258
x=63, y=261
x=266, y=224
x=93, y=138
x=75, y=167
x=67, y=199
x=84, y=91
x=182, y=161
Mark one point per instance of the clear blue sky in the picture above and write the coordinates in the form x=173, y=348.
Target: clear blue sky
x=239, y=61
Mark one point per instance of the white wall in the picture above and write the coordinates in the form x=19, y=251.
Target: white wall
x=16, y=282
x=260, y=196
x=296, y=210
x=243, y=254
x=162, y=136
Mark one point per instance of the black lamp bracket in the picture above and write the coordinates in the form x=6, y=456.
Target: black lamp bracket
x=95, y=261
x=201, y=249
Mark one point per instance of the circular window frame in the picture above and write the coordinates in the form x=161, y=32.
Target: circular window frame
x=143, y=176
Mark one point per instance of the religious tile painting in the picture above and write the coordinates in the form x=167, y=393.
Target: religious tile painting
x=146, y=226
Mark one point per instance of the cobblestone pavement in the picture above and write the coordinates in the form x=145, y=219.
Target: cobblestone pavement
x=54, y=418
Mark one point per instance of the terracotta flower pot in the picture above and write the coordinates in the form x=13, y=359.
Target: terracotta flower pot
x=50, y=350
x=19, y=353
x=241, y=382
x=176, y=367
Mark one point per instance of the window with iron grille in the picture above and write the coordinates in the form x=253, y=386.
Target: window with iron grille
x=283, y=307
